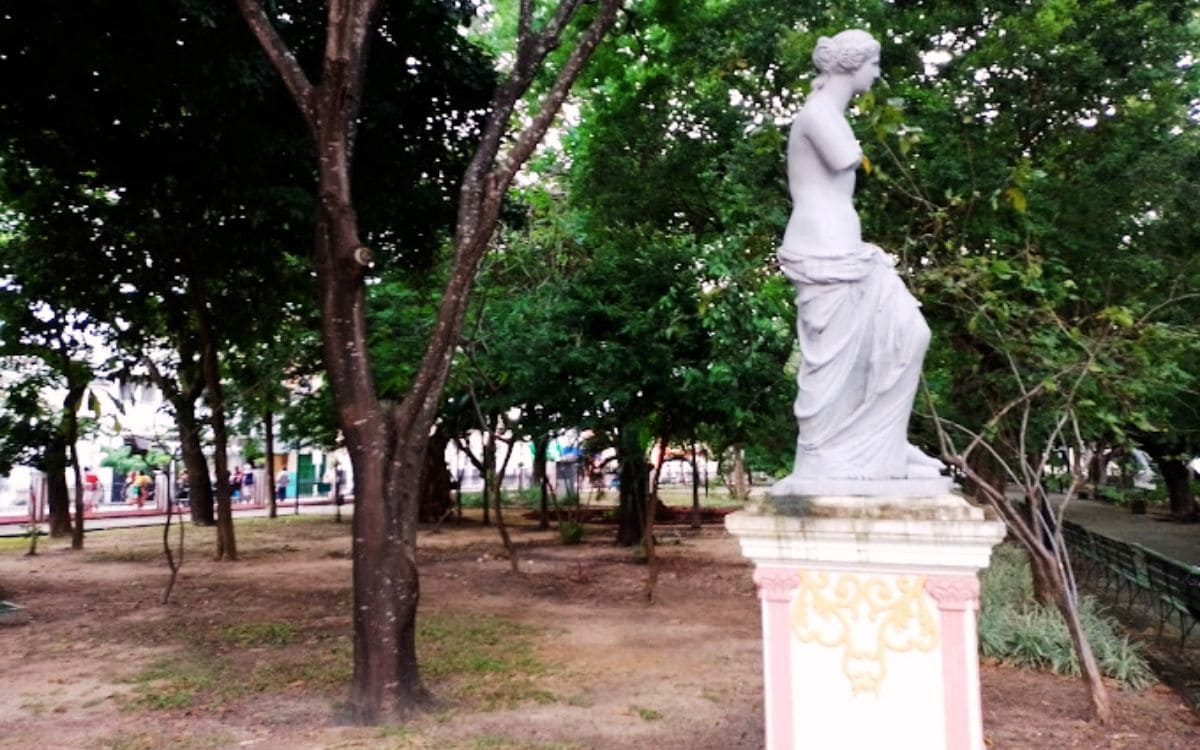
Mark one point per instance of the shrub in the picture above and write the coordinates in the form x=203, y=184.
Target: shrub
x=1015, y=629
x=571, y=532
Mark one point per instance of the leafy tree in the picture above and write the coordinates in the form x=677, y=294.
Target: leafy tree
x=126, y=175
x=388, y=445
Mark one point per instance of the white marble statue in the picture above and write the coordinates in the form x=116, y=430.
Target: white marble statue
x=862, y=336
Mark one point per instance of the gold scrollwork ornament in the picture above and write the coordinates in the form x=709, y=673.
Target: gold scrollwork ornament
x=866, y=617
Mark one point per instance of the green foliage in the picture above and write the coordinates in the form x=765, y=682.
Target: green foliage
x=1016, y=630
x=571, y=532
x=122, y=461
x=28, y=424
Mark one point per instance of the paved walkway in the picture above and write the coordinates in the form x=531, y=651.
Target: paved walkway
x=1180, y=541
x=13, y=526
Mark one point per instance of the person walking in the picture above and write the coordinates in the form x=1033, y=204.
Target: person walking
x=281, y=484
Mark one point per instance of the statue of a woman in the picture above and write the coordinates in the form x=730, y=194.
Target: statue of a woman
x=862, y=336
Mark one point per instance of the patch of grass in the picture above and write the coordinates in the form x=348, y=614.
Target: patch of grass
x=321, y=668
x=174, y=682
x=146, y=741
x=211, y=669
x=395, y=732
x=129, y=742
x=14, y=544
x=500, y=742
x=257, y=634
x=487, y=660
x=647, y=714
x=129, y=554
x=712, y=696
x=1015, y=629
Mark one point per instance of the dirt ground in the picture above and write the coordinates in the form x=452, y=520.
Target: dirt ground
x=562, y=656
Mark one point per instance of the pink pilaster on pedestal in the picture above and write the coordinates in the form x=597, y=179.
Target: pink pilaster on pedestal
x=957, y=597
x=775, y=586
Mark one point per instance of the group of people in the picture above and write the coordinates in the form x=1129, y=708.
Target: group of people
x=139, y=489
x=241, y=483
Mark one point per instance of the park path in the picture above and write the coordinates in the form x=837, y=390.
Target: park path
x=18, y=526
x=1154, y=530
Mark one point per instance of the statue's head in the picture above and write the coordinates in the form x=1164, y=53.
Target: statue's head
x=843, y=53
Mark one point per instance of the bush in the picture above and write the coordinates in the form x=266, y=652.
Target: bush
x=1015, y=629
x=571, y=532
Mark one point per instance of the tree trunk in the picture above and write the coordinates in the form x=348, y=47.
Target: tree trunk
x=435, y=493
x=1037, y=516
x=656, y=476
x=652, y=505
x=200, y=491
x=499, y=497
x=1097, y=693
x=991, y=473
x=269, y=474
x=182, y=392
x=388, y=478
x=541, y=446
x=58, y=500
x=1097, y=469
x=493, y=481
x=77, y=532
x=634, y=478
x=214, y=395
x=71, y=404
x=1177, y=478
x=695, y=487
x=741, y=482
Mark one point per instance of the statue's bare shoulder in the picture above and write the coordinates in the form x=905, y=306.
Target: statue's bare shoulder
x=826, y=131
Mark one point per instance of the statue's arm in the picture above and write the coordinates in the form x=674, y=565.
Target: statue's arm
x=832, y=139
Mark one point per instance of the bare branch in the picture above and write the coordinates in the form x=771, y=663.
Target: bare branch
x=528, y=139
x=976, y=442
x=466, y=450
x=1172, y=301
x=281, y=58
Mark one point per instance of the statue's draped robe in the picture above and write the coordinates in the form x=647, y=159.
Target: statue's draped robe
x=862, y=336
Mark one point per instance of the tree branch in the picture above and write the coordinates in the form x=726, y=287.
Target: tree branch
x=532, y=134
x=281, y=58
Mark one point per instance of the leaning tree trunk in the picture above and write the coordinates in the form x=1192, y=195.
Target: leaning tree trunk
x=495, y=483
x=1097, y=693
x=214, y=395
x=77, y=532
x=71, y=428
x=182, y=393
x=200, y=494
x=1051, y=566
x=487, y=469
x=695, y=488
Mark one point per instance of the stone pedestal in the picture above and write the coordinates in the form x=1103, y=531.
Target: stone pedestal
x=868, y=611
